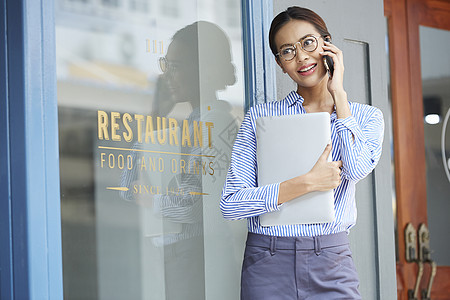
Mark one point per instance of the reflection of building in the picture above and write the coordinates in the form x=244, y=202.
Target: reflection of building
x=118, y=40
x=107, y=51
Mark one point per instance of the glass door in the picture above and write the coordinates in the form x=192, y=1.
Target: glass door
x=150, y=97
x=418, y=37
x=435, y=66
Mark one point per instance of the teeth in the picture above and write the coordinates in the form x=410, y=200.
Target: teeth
x=307, y=69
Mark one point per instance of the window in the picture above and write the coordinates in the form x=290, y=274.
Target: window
x=144, y=154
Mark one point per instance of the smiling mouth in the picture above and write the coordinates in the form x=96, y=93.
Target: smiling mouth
x=307, y=69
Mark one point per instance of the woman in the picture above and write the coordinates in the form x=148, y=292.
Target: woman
x=304, y=261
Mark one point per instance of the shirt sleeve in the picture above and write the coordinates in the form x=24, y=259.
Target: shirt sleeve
x=241, y=196
x=360, y=143
x=179, y=208
x=129, y=176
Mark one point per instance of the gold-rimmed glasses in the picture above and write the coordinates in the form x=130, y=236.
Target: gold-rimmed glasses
x=308, y=43
x=164, y=65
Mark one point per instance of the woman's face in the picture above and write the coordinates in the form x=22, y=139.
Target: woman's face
x=182, y=77
x=306, y=68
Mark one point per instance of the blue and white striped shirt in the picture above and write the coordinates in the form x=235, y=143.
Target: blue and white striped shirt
x=356, y=140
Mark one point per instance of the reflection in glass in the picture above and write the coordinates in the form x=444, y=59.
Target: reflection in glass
x=144, y=153
x=185, y=79
x=436, y=102
x=388, y=116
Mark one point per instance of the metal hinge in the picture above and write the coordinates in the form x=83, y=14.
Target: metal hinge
x=424, y=257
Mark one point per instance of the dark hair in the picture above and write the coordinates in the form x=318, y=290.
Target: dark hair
x=216, y=51
x=295, y=13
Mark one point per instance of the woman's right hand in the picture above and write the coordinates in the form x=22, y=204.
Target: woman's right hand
x=325, y=175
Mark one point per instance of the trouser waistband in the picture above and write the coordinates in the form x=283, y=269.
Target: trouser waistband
x=315, y=243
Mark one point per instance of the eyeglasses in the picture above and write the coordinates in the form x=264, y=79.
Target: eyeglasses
x=308, y=43
x=164, y=65
x=169, y=66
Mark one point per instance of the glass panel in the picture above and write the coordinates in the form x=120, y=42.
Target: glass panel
x=150, y=100
x=388, y=123
x=434, y=44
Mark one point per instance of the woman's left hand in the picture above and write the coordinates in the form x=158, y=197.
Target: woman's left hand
x=335, y=83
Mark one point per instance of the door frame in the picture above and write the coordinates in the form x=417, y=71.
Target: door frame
x=30, y=234
x=404, y=18
x=259, y=64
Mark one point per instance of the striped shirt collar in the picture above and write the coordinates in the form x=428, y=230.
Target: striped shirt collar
x=293, y=98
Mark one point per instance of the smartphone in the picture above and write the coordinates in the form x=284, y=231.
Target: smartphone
x=328, y=62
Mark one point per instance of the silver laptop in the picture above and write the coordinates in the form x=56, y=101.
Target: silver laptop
x=289, y=146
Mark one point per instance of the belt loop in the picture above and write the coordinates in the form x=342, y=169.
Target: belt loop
x=273, y=240
x=317, y=248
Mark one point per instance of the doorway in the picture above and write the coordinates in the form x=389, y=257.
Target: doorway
x=420, y=102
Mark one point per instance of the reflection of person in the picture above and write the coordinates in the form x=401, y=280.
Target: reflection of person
x=197, y=65
x=194, y=69
x=273, y=267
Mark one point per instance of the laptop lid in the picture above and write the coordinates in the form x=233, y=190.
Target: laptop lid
x=289, y=146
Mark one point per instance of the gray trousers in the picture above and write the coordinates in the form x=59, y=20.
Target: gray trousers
x=288, y=268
